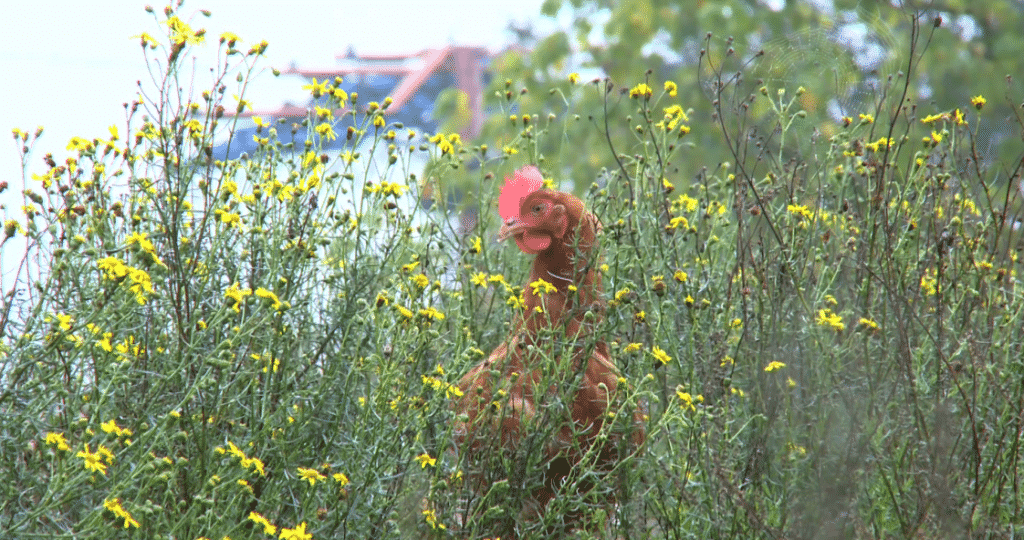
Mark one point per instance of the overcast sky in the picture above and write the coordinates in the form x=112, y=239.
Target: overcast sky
x=70, y=65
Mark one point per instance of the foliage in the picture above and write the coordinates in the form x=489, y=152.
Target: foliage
x=824, y=325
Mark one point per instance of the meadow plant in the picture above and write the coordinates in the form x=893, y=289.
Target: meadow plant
x=825, y=331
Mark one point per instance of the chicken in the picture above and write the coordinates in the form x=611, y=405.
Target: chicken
x=503, y=394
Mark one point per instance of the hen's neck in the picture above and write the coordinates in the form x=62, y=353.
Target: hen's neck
x=566, y=268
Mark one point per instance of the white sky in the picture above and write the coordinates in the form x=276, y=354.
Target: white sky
x=70, y=65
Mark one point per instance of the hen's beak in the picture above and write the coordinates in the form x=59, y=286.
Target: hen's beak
x=510, y=228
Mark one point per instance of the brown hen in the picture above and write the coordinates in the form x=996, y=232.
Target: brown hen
x=502, y=395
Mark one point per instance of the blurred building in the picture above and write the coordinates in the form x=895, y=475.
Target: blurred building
x=412, y=81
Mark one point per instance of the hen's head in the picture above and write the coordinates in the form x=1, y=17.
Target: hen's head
x=539, y=218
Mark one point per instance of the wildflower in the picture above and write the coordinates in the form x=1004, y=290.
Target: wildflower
x=114, y=505
x=479, y=279
x=58, y=440
x=258, y=519
x=341, y=479
x=978, y=101
x=671, y=88
x=237, y=296
x=450, y=390
x=445, y=144
x=254, y=463
x=661, y=356
x=933, y=139
x=687, y=202
x=326, y=131
x=827, y=318
x=686, y=399
x=516, y=301
x=298, y=533
x=430, y=313
x=772, y=366
x=679, y=221
x=868, y=323
x=673, y=116
x=64, y=321
x=632, y=347
x=800, y=210
x=404, y=312
x=641, y=90
x=230, y=37
x=105, y=342
x=680, y=276
x=311, y=475
x=182, y=33
x=867, y=118
x=264, y=293
x=315, y=88
x=421, y=281
x=431, y=519
x=92, y=460
x=111, y=426
x=542, y=287
x=424, y=460
x=574, y=77
x=147, y=40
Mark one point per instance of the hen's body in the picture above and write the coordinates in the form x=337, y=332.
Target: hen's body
x=551, y=354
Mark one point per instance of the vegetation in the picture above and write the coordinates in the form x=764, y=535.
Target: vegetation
x=821, y=316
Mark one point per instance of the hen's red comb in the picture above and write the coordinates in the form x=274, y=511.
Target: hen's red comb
x=522, y=183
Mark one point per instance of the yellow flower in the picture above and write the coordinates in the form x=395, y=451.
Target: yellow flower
x=827, y=318
x=641, y=90
x=679, y=221
x=515, y=301
x=632, y=347
x=479, y=279
x=315, y=88
x=255, y=464
x=574, y=78
x=298, y=533
x=341, y=479
x=114, y=505
x=310, y=475
x=92, y=461
x=661, y=356
x=671, y=88
x=182, y=33
x=58, y=440
x=111, y=426
x=237, y=296
x=868, y=323
x=431, y=519
x=326, y=131
x=431, y=314
x=867, y=118
x=421, y=281
x=274, y=301
x=542, y=287
x=258, y=519
x=978, y=101
x=424, y=460
x=772, y=366
x=680, y=276
x=686, y=399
